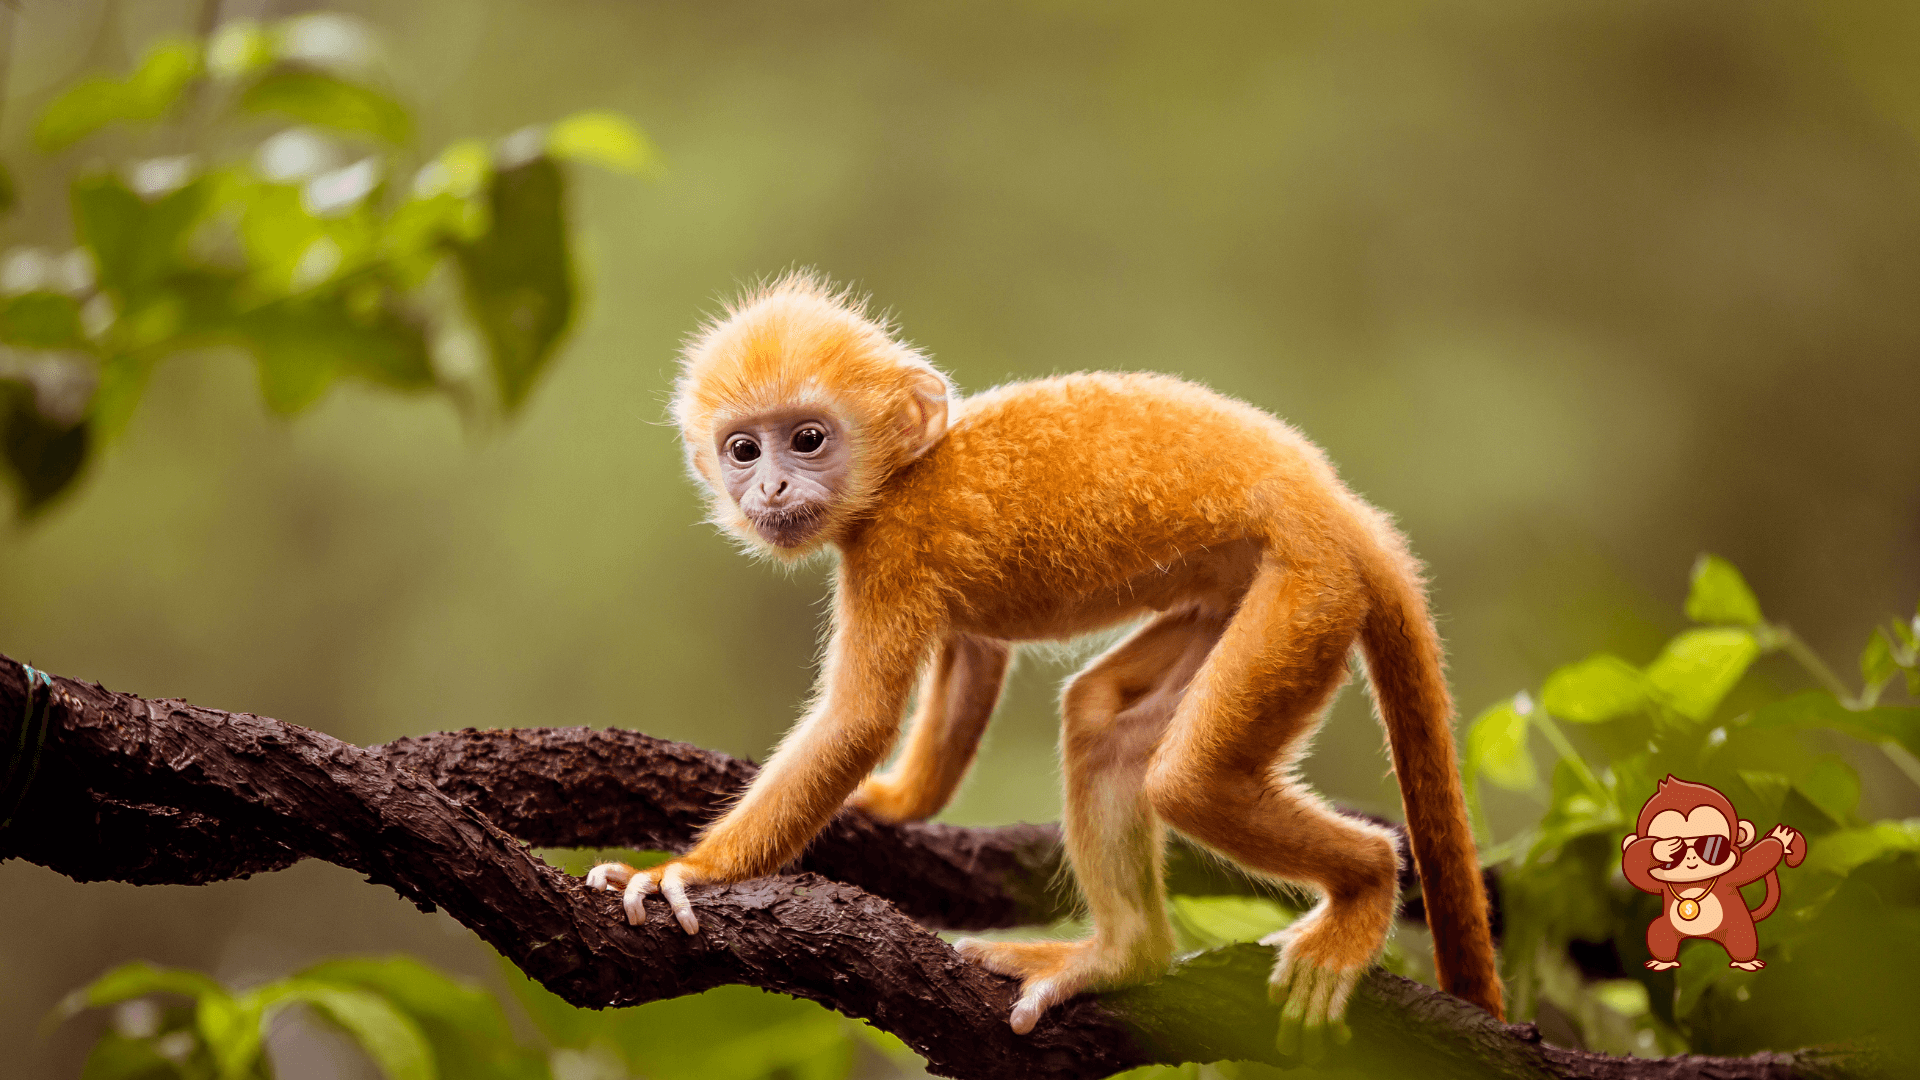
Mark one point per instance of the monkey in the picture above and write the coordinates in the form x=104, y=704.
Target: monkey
x=1683, y=850
x=1046, y=510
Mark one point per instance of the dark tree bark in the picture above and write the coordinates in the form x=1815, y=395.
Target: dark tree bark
x=106, y=786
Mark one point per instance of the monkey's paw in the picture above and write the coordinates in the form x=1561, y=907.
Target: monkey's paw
x=1312, y=991
x=885, y=799
x=1050, y=972
x=1662, y=965
x=1748, y=965
x=670, y=879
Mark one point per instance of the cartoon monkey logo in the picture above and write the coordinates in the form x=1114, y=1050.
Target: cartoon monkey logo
x=1683, y=849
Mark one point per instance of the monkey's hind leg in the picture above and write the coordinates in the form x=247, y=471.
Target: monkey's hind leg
x=957, y=697
x=1219, y=777
x=1114, y=712
x=1663, y=944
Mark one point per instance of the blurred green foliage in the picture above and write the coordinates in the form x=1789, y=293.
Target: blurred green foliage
x=416, y=1023
x=296, y=243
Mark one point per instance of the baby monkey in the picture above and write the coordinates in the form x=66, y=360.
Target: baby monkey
x=1045, y=510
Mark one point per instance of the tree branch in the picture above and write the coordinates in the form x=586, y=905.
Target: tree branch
x=162, y=791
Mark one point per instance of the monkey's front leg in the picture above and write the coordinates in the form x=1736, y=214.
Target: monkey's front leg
x=846, y=733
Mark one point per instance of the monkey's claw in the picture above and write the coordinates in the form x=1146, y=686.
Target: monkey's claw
x=670, y=879
x=1313, y=1004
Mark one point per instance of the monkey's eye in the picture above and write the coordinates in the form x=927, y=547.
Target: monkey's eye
x=808, y=439
x=743, y=450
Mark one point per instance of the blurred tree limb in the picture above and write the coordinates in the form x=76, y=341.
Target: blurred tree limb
x=107, y=786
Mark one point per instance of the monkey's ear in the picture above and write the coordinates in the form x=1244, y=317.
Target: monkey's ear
x=926, y=420
x=1628, y=842
x=1746, y=834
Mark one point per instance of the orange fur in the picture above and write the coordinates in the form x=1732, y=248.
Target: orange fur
x=1046, y=509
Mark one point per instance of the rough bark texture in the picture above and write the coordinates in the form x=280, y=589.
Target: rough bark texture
x=121, y=788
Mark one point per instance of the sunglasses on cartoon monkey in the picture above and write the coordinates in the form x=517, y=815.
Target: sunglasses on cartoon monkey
x=1711, y=849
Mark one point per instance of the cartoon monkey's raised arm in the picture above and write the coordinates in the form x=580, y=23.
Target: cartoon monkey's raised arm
x=1636, y=862
x=1765, y=856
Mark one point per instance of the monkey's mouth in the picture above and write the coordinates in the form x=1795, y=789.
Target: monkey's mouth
x=789, y=528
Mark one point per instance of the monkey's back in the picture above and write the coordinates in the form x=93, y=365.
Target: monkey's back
x=1092, y=488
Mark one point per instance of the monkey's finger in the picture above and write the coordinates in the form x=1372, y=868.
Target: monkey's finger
x=635, y=899
x=1313, y=1032
x=1293, y=1016
x=673, y=885
x=1343, y=987
x=609, y=876
x=1285, y=974
x=1037, y=998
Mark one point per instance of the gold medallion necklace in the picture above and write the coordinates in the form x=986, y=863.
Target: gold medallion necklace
x=1687, y=907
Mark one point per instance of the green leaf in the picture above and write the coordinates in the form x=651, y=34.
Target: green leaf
x=1816, y=709
x=1601, y=687
x=167, y=69
x=389, y=1036
x=518, y=276
x=1720, y=595
x=1575, y=811
x=117, y=1057
x=808, y=1048
x=694, y=1038
x=136, y=980
x=1832, y=786
x=135, y=243
x=465, y=1025
x=1770, y=787
x=1497, y=748
x=1699, y=667
x=329, y=101
x=240, y=47
x=1877, y=665
x=303, y=344
x=1844, y=851
x=603, y=138
x=231, y=1029
x=1628, y=997
x=44, y=456
x=1207, y=922
x=41, y=320
x=123, y=378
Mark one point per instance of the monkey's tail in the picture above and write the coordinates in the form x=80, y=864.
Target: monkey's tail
x=1405, y=668
x=1772, y=899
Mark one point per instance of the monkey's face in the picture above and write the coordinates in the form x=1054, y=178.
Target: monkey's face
x=785, y=470
x=1694, y=846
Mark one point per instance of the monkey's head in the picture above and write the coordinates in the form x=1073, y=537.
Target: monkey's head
x=1704, y=822
x=795, y=406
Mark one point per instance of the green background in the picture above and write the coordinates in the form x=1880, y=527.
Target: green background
x=1574, y=290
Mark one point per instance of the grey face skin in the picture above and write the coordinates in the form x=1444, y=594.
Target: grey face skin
x=784, y=470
